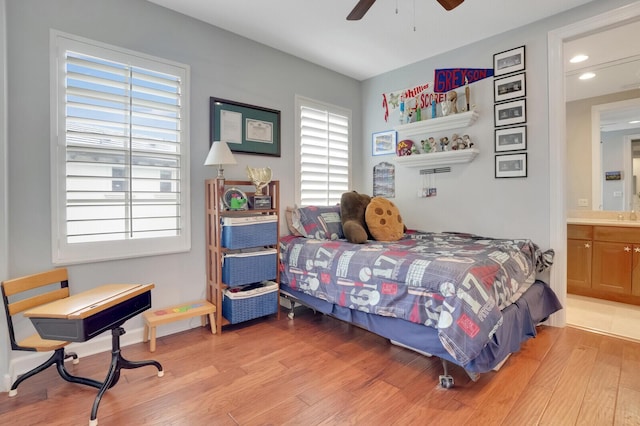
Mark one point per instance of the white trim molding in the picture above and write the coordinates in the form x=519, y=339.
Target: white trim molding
x=558, y=142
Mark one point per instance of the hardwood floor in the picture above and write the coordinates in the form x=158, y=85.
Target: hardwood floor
x=317, y=370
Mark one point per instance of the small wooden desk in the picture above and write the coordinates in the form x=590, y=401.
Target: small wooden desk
x=83, y=316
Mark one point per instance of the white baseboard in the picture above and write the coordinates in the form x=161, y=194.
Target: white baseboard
x=6, y=383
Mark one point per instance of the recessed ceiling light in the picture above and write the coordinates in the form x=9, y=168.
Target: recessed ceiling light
x=634, y=122
x=578, y=58
x=587, y=76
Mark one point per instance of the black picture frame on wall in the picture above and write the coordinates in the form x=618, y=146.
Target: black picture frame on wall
x=511, y=139
x=510, y=113
x=510, y=87
x=246, y=128
x=508, y=61
x=511, y=165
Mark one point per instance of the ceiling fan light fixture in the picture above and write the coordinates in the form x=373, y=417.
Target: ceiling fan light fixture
x=360, y=9
x=363, y=6
x=450, y=4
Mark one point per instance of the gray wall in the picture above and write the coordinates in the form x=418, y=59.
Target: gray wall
x=469, y=198
x=222, y=65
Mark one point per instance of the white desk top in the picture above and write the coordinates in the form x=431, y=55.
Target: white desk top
x=87, y=303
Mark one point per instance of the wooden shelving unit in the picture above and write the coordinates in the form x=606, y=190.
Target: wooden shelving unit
x=215, y=213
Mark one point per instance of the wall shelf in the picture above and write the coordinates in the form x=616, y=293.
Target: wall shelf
x=425, y=127
x=437, y=159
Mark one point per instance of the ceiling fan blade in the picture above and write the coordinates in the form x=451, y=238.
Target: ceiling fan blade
x=361, y=8
x=450, y=4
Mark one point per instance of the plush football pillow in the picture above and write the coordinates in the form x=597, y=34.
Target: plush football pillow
x=384, y=220
x=321, y=222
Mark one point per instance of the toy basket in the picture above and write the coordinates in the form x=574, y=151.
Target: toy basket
x=253, y=301
x=249, y=266
x=249, y=231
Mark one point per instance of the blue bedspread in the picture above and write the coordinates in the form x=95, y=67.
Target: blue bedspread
x=456, y=283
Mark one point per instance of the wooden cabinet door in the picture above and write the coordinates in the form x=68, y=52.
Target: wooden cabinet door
x=612, y=265
x=578, y=264
x=635, y=274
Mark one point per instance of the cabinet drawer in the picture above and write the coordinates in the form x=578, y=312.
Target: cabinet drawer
x=580, y=232
x=619, y=234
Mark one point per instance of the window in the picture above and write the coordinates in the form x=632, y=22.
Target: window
x=323, y=142
x=120, y=152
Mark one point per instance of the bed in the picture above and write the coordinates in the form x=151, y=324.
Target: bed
x=467, y=299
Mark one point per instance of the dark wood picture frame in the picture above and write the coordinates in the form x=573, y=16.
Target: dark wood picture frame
x=247, y=129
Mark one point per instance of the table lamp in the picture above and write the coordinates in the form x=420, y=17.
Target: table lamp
x=219, y=154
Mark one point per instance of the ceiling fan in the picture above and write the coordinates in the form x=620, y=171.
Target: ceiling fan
x=363, y=6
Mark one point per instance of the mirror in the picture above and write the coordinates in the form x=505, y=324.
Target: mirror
x=603, y=120
x=615, y=126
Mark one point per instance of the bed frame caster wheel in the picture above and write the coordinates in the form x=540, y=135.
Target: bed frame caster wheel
x=446, y=381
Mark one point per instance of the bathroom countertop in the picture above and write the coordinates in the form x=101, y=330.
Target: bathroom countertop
x=603, y=222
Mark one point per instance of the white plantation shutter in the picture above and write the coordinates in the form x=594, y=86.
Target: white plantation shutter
x=121, y=153
x=324, y=153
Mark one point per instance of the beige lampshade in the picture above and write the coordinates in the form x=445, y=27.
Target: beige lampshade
x=219, y=154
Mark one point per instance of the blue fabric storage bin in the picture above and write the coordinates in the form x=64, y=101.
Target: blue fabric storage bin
x=249, y=266
x=247, y=305
x=249, y=231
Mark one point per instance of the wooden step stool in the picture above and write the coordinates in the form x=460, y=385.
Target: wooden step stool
x=152, y=319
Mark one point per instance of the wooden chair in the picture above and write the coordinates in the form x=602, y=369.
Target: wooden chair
x=20, y=294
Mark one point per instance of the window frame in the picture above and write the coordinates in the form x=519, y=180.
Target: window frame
x=302, y=101
x=62, y=252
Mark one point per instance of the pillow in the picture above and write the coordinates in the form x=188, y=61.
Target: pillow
x=293, y=222
x=321, y=222
x=384, y=220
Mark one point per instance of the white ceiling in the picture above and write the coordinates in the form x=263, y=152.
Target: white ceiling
x=317, y=30
x=615, y=59
x=385, y=40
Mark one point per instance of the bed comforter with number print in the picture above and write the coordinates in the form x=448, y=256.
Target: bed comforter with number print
x=453, y=282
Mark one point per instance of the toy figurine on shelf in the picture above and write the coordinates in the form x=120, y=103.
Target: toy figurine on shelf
x=467, y=141
x=415, y=149
x=411, y=115
x=456, y=142
x=450, y=105
x=238, y=202
x=429, y=145
x=444, y=144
